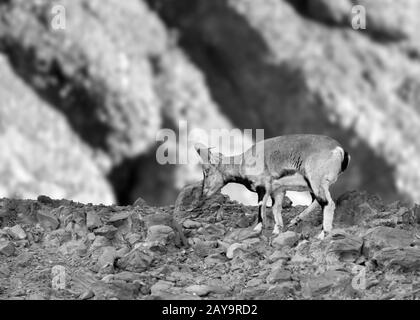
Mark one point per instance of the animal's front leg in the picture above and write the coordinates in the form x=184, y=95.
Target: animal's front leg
x=303, y=214
x=328, y=213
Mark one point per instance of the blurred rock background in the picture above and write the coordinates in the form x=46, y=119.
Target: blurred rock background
x=80, y=107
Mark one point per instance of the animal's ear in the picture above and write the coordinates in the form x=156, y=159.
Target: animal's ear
x=208, y=157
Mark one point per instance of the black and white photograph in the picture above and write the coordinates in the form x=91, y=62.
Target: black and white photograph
x=209, y=154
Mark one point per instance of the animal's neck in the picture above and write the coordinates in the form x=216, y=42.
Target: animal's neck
x=232, y=168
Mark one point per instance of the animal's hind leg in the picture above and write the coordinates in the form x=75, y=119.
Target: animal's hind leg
x=262, y=202
x=277, y=208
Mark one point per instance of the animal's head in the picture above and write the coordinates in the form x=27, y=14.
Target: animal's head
x=212, y=166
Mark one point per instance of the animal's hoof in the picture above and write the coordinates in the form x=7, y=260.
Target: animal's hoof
x=277, y=230
x=258, y=227
x=322, y=235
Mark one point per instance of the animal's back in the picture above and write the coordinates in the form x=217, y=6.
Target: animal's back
x=291, y=152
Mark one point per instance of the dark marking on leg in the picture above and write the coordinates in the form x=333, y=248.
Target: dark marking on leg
x=322, y=202
x=260, y=192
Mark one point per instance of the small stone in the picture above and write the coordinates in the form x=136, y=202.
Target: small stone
x=279, y=275
x=4, y=271
x=91, y=236
x=202, y=290
x=239, y=235
x=120, y=216
x=347, y=247
x=17, y=233
x=47, y=220
x=35, y=296
x=254, y=282
x=321, y=284
x=100, y=241
x=277, y=255
x=199, y=290
x=88, y=294
x=161, y=234
x=136, y=261
x=106, y=231
x=72, y=247
x=7, y=248
x=235, y=248
x=133, y=238
x=92, y=220
x=107, y=258
x=215, y=259
x=161, y=287
x=190, y=224
x=288, y=238
x=24, y=259
x=140, y=202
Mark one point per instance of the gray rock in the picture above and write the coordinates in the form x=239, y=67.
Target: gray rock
x=120, y=216
x=88, y=294
x=100, y=241
x=17, y=232
x=140, y=202
x=189, y=198
x=106, y=259
x=288, y=238
x=4, y=271
x=135, y=261
x=381, y=237
x=279, y=275
x=71, y=247
x=190, y=224
x=24, y=259
x=161, y=288
x=202, y=290
x=161, y=234
x=235, y=247
x=407, y=259
x=346, y=246
x=7, y=248
x=321, y=284
x=92, y=220
x=47, y=220
x=106, y=231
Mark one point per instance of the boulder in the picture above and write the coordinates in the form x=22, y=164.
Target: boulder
x=406, y=259
x=346, y=246
x=384, y=237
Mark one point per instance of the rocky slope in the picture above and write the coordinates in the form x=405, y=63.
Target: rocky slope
x=120, y=71
x=138, y=252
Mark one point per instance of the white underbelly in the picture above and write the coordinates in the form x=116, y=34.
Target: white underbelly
x=294, y=182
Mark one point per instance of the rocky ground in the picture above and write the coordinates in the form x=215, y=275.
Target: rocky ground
x=140, y=252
